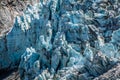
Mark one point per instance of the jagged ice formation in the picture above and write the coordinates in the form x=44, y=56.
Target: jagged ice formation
x=64, y=40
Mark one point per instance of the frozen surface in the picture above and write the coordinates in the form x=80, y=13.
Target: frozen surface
x=63, y=40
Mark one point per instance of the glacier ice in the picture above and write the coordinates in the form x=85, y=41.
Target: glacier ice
x=63, y=40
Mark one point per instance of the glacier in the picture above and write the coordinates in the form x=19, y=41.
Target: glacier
x=63, y=40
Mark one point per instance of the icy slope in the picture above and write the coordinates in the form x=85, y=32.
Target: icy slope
x=64, y=40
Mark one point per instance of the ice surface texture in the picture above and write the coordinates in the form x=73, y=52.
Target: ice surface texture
x=64, y=40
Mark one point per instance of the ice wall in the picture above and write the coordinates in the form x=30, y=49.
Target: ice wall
x=63, y=40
